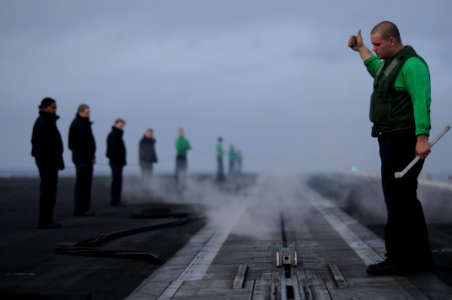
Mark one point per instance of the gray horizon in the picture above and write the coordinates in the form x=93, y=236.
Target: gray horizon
x=274, y=78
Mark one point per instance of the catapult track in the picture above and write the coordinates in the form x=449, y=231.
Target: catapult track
x=312, y=251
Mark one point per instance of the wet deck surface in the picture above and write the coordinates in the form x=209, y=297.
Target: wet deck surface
x=30, y=269
x=234, y=256
x=332, y=252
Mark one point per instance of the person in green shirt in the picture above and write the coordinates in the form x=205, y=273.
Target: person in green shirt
x=182, y=147
x=219, y=154
x=232, y=161
x=400, y=113
x=238, y=159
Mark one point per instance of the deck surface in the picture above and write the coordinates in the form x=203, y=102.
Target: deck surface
x=267, y=238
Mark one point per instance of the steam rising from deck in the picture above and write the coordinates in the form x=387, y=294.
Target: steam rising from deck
x=251, y=205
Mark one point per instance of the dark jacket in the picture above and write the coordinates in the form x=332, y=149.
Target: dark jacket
x=147, y=152
x=116, y=149
x=81, y=141
x=47, y=146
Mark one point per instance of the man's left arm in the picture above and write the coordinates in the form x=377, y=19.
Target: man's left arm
x=417, y=79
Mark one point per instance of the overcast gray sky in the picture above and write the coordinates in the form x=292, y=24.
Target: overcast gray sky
x=273, y=77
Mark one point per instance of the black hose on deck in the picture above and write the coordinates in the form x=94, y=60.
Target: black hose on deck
x=88, y=247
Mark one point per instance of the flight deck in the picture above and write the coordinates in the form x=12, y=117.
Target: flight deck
x=252, y=237
x=298, y=245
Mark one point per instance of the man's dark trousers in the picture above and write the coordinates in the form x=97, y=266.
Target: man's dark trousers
x=116, y=184
x=47, y=194
x=220, y=169
x=406, y=234
x=82, y=190
x=181, y=168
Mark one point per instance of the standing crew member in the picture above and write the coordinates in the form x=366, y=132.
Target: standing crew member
x=47, y=149
x=400, y=113
x=238, y=159
x=83, y=147
x=147, y=154
x=182, y=147
x=116, y=153
x=232, y=159
x=220, y=153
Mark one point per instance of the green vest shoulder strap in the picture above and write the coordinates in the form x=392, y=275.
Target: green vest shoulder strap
x=389, y=69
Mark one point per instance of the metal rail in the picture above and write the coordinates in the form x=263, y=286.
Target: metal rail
x=286, y=259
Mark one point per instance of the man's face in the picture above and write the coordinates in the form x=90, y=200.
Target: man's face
x=383, y=48
x=149, y=134
x=52, y=108
x=119, y=125
x=84, y=113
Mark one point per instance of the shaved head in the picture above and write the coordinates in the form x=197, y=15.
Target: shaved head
x=387, y=29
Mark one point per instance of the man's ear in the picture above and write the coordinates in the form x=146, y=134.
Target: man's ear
x=392, y=40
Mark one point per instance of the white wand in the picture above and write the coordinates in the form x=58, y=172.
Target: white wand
x=416, y=159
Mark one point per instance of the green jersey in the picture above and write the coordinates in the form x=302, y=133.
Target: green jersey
x=413, y=78
x=219, y=150
x=182, y=146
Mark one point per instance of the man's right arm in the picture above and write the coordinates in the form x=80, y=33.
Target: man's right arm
x=355, y=42
x=372, y=63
